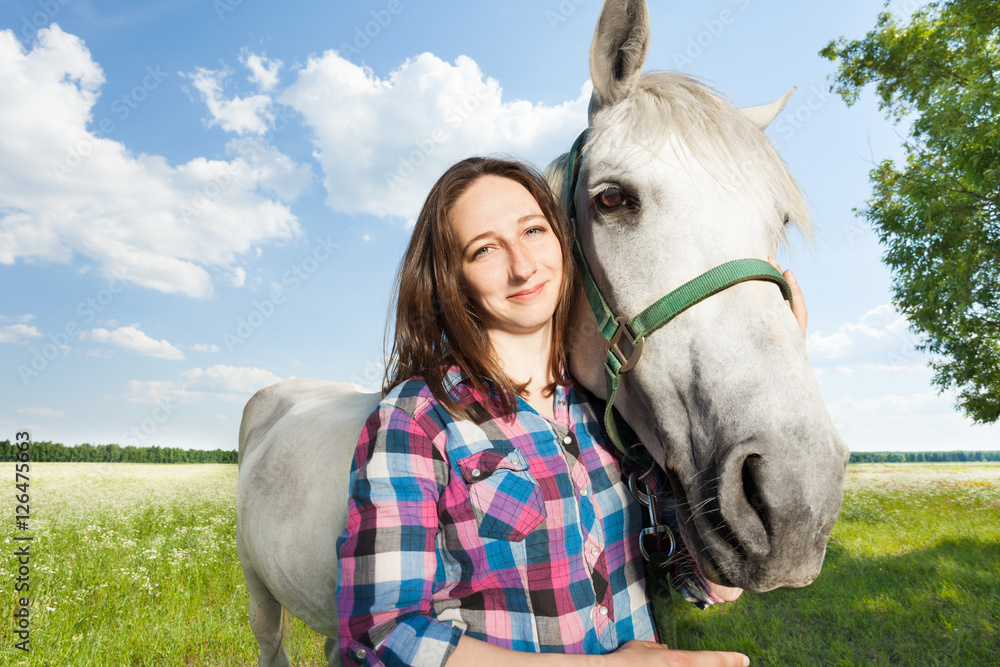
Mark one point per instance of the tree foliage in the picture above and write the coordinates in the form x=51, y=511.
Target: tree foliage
x=938, y=216
x=87, y=453
x=924, y=457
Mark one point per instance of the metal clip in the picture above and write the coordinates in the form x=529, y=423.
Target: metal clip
x=633, y=486
x=643, y=498
x=656, y=529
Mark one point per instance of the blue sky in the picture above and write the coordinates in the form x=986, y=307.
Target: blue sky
x=199, y=198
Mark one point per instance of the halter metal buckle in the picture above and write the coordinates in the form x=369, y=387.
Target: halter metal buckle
x=656, y=529
x=629, y=361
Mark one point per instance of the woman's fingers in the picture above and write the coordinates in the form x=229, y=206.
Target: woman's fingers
x=798, y=302
x=643, y=653
x=707, y=659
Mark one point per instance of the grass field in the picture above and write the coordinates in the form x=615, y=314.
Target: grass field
x=911, y=577
x=136, y=565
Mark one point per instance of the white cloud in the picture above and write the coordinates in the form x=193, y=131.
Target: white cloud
x=880, y=339
x=272, y=170
x=263, y=71
x=242, y=115
x=229, y=378
x=67, y=190
x=27, y=317
x=42, y=412
x=921, y=421
x=893, y=404
x=221, y=383
x=210, y=347
x=383, y=142
x=18, y=333
x=131, y=338
x=238, y=277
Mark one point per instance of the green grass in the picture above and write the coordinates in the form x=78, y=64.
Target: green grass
x=136, y=565
x=133, y=564
x=912, y=577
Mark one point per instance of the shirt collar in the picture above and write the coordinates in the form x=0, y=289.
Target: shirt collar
x=455, y=376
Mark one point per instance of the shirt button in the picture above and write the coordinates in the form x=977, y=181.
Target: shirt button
x=595, y=551
x=583, y=492
x=568, y=440
x=603, y=611
x=476, y=472
x=562, y=402
x=361, y=653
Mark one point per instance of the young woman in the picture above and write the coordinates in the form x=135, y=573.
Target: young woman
x=489, y=523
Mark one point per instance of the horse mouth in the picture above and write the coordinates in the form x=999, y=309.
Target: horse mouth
x=776, y=546
x=701, y=555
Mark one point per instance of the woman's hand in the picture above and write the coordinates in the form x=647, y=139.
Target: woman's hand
x=472, y=652
x=798, y=303
x=642, y=654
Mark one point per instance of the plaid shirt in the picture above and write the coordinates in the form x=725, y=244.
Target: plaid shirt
x=517, y=532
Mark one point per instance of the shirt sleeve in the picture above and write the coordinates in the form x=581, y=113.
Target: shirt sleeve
x=387, y=553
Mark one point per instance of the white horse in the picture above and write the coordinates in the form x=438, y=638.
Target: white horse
x=673, y=181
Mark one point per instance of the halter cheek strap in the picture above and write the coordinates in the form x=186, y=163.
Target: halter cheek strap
x=634, y=330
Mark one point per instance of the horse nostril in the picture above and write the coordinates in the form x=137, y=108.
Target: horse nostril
x=751, y=475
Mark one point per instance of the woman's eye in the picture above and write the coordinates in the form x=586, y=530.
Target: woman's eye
x=612, y=198
x=482, y=252
x=534, y=231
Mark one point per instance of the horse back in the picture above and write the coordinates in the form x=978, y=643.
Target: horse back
x=297, y=442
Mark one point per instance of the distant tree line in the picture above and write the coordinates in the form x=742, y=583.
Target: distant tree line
x=922, y=457
x=112, y=453
x=44, y=451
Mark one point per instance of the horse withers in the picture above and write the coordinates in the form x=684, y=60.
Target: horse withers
x=673, y=181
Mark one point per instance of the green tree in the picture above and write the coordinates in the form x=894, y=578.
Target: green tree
x=939, y=215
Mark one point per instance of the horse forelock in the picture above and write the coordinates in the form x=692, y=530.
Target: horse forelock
x=672, y=105
x=556, y=175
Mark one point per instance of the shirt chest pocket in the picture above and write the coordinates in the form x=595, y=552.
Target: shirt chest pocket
x=506, y=499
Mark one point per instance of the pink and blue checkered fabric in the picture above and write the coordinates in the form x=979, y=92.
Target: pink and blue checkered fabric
x=517, y=532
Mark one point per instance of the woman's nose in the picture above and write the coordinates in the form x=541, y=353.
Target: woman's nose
x=522, y=262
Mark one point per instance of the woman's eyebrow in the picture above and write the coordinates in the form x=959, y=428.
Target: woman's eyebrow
x=472, y=241
x=489, y=232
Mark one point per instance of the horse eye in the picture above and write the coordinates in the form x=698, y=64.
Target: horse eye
x=612, y=198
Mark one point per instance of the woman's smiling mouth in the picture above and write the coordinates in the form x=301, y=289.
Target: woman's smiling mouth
x=528, y=294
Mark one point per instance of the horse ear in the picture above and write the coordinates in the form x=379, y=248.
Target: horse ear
x=618, y=52
x=764, y=114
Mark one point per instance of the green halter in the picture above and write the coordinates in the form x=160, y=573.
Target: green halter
x=635, y=329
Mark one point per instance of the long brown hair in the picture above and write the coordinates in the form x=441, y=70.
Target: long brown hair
x=436, y=325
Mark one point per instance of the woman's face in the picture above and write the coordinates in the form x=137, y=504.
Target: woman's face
x=511, y=258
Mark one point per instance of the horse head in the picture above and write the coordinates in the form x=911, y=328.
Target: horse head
x=672, y=182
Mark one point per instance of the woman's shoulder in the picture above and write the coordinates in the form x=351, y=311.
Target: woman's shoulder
x=413, y=386
x=414, y=394
x=410, y=396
